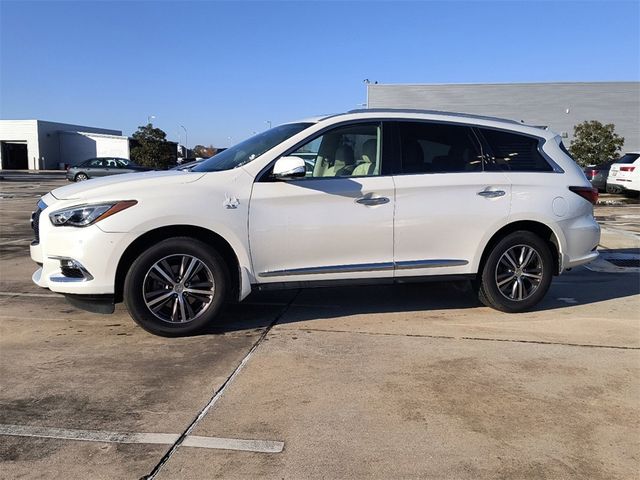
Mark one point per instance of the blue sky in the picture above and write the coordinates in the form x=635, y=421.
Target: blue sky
x=222, y=69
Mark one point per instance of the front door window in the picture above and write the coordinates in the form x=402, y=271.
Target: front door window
x=351, y=151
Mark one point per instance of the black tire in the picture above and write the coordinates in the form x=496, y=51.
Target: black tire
x=81, y=177
x=523, y=282
x=143, y=282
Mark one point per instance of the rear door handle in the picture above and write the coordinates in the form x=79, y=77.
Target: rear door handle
x=372, y=201
x=492, y=193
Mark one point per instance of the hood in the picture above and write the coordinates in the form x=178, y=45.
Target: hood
x=124, y=184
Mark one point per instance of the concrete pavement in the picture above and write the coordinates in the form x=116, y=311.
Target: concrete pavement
x=409, y=381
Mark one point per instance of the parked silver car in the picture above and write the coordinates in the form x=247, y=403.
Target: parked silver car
x=101, y=167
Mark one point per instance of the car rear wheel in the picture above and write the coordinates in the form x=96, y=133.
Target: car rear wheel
x=81, y=177
x=176, y=287
x=613, y=189
x=517, y=273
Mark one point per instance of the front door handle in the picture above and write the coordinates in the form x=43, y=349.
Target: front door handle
x=372, y=201
x=492, y=193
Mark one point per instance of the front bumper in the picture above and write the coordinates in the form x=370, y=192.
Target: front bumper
x=94, y=252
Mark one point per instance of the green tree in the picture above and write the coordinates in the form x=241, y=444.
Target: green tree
x=594, y=143
x=150, y=147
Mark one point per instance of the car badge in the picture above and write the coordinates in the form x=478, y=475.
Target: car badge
x=230, y=201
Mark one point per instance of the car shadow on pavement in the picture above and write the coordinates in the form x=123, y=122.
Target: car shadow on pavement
x=575, y=288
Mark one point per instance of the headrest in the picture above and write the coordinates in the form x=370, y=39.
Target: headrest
x=369, y=150
x=344, y=156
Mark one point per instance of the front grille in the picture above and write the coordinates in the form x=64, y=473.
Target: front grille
x=35, y=222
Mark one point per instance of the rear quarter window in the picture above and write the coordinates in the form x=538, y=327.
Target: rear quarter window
x=513, y=152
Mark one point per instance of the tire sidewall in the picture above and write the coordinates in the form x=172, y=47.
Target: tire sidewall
x=489, y=287
x=133, y=285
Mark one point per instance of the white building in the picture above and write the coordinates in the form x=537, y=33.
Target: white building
x=41, y=145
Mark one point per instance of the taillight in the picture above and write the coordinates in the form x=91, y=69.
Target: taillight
x=627, y=169
x=591, y=174
x=588, y=193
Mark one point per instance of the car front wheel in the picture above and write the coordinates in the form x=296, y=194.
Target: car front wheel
x=517, y=273
x=176, y=287
x=81, y=177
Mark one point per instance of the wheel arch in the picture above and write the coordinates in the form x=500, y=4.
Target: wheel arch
x=541, y=229
x=222, y=246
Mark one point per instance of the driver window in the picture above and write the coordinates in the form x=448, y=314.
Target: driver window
x=350, y=151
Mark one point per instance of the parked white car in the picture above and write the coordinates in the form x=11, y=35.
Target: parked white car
x=367, y=196
x=625, y=173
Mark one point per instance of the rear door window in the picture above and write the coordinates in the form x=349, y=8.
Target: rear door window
x=513, y=152
x=96, y=163
x=427, y=147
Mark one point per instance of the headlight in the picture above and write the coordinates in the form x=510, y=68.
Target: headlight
x=85, y=215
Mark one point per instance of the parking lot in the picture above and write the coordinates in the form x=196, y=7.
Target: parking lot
x=410, y=381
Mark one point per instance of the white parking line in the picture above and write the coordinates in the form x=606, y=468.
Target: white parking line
x=259, y=446
x=19, y=240
x=19, y=294
x=216, y=443
x=568, y=300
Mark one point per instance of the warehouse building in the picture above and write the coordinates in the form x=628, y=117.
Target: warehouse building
x=558, y=106
x=41, y=145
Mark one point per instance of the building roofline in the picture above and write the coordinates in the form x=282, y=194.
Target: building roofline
x=95, y=134
x=442, y=84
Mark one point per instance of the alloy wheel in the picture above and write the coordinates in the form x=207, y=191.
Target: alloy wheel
x=519, y=272
x=178, y=288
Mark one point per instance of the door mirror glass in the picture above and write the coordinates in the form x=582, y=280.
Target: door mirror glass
x=289, y=167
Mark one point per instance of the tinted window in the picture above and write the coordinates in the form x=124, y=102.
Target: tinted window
x=628, y=158
x=349, y=151
x=438, y=148
x=96, y=163
x=513, y=152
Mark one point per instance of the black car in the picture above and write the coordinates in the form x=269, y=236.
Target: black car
x=101, y=167
x=598, y=174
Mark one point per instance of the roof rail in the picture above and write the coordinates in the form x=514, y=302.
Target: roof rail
x=434, y=112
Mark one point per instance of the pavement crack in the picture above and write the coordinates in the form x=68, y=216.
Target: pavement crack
x=480, y=339
x=217, y=394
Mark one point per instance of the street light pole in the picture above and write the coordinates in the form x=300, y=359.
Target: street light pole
x=186, y=141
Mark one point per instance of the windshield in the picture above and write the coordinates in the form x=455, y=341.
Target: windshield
x=250, y=149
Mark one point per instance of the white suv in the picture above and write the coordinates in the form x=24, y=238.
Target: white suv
x=366, y=196
x=625, y=173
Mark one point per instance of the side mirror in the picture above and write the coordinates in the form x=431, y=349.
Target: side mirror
x=287, y=168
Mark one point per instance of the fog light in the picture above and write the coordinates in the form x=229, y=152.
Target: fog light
x=73, y=269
